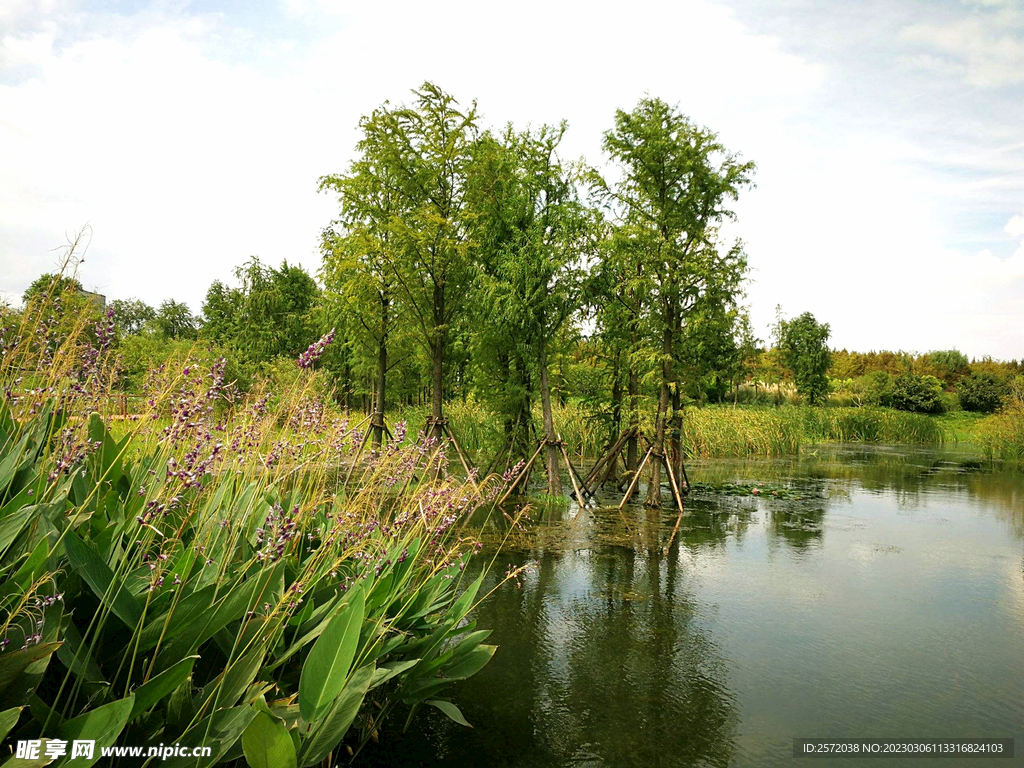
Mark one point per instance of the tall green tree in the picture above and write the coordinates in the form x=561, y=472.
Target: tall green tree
x=675, y=181
x=174, y=320
x=360, y=251
x=424, y=151
x=803, y=344
x=533, y=232
x=267, y=315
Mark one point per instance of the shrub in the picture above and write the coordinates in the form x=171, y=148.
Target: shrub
x=981, y=392
x=917, y=394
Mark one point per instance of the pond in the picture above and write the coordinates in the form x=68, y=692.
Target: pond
x=879, y=594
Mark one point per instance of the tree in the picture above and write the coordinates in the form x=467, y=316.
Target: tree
x=267, y=316
x=676, y=180
x=51, y=284
x=358, y=259
x=132, y=316
x=803, y=343
x=424, y=152
x=533, y=232
x=174, y=320
x=949, y=364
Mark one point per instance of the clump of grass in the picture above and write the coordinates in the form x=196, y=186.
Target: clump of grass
x=1002, y=435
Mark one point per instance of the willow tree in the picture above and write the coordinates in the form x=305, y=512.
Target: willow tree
x=533, y=232
x=423, y=152
x=359, y=254
x=675, y=181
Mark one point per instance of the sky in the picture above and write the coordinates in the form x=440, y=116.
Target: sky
x=189, y=136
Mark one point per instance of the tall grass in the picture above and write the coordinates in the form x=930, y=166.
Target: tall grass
x=1002, y=435
x=713, y=431
x=206, y=577
x=870, y=425
x=723, y=431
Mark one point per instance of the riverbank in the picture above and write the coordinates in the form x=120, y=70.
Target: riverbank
x=722, y=431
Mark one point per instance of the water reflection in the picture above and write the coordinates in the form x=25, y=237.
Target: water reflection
x=887, y=600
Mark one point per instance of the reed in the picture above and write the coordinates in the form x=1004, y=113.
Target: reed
x=1002, y=435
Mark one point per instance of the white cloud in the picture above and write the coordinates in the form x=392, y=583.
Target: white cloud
x=1015, y=226
x=190, y=142
x=988, y=46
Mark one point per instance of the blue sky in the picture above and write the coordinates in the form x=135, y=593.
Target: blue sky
x=889, y=136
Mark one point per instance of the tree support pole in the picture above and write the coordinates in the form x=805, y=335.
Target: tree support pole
x=636, y=478
x=580, y=498
x=522, y=473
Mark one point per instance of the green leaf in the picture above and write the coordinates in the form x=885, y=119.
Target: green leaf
x=328, y=732
x=449, y=709
x=102, y=725
x=219, y=731
x=227, y=691
x=148, y=694
x=8, y=719
x=75, y=656
x=470, y=663
x=13, y=524
x=99, y=577
x=13, y=663
x=389, y=670
x=327, y=666
x=266, y=744
x=465, y=601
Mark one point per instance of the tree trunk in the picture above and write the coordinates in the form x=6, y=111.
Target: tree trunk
x=437, y=350
x=661, y=422
x=676, y=426
x=616, y=410
x=382, y=375
x=551, y=449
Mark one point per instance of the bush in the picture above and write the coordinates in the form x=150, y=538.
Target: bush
x=981, y=392
x=917, y=394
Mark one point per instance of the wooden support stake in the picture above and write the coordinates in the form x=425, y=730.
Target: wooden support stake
x=580, y=499
x=636, y=478
x=521, y=475
x=672, y=480
x=608, y=455
x=679, y=502
x=462, y=457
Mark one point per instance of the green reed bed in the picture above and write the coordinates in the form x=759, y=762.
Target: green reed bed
x=870, y=425
x=203, y=577
x=1002, y=435
x=725, y=431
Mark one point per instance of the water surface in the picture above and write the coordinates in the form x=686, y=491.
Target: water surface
x=886, y=601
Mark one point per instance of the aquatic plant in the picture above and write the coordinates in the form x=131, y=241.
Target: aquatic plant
x=206, y=577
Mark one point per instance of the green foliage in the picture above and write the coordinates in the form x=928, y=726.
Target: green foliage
x=1002, y=434
x=918, y=394
x=424, y=152
x=51, y=285
x=947, y=365
x=132, y=316
x=981, y=392
x=174, y=320
x=269, y=315
x=803, y=343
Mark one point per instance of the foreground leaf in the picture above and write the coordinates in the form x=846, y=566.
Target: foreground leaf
x=327, y=666
x=266, y=744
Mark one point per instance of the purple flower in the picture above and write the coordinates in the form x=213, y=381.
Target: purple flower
x=315, y=350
